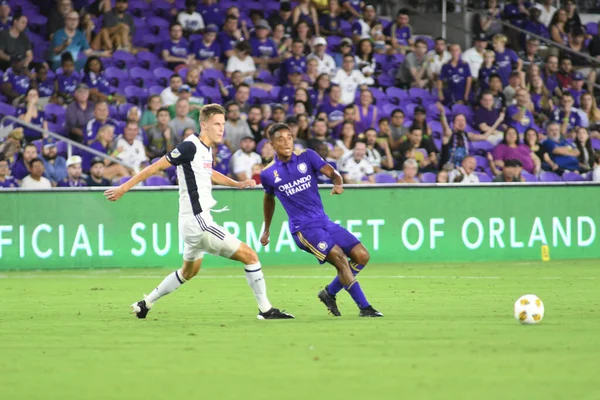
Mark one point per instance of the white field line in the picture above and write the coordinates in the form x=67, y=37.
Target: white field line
x=241, y=276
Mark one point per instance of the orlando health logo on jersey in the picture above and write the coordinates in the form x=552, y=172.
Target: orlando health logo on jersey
x=297, y=185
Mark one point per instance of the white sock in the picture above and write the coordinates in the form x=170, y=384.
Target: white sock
x=256, y=280
x=169, y=284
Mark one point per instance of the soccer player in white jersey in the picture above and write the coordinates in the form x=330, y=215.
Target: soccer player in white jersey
x=193, y=158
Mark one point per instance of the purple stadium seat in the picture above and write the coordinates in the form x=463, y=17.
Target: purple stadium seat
x=397, y=95
x=596, y=144
x=38, y=145
x=483, y=177
x=387, y=109
x=438, y=143
x=123, y=59
x=210, y=77
x=546, y=176
x=463, y=109
x=436, y=127
x=378, y=94
x=333, y=43
x=56, y=128
x=136, y=7
x=257, y=96
x=430, y=42
x=146, y=59
x=62, y=148
x=382, y=177
x=157, y=181
x=55, y=113
x=592, y=28
x=421, y=96
x=112, y=111
x=156, y=90
x=158, y=26
x=481, y=148
x=115, y=75
x=162, y=75
x=409, y=110
x=482, y=163
x=142, y=77
x=150, y=41
x=572, y=177
x=274, y=93
x=529, y=177
x=122, y=110
x=7, y=109
x=346, y=28
x=266, y=77
x=385, y=80
x=428, y=177
x=213, y=94
x=123, y=180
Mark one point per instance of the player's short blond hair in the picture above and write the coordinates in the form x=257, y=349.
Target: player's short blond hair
x=499, y=38
x=209, y=110
x=489, y=53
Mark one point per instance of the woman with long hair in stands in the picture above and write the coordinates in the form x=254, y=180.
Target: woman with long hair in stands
x=29, y=112
x=347, y=139
x=303, y=126
x=306, y=12
x=100, y=89
x=365, y=60
x=303, y=33
x=320, y=90
x=303, y=96
x=511, y=149
x=589, y=107
x=586, y=151
x=558, y=27
x=541, y=99
x=149, y=114
x=312, y=72
x=538, y=154
x=365, y=113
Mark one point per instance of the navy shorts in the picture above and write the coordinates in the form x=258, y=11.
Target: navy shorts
x=319, y=241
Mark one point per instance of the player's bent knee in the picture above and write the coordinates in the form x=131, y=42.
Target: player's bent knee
x=245, y=255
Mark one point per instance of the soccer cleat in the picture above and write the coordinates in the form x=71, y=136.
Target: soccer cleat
x=274, y=313
x=141, y=308
x=329, y=302
x=370, y=312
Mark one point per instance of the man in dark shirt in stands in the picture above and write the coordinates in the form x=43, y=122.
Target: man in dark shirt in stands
x=96, y=176
x=15, y=41
x=120, y=25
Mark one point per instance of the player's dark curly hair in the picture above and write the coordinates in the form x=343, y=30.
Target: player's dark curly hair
x=280, y=126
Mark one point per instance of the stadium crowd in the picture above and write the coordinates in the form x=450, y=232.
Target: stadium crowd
x=377, y=101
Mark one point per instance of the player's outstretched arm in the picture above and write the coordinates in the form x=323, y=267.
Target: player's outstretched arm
x=268, y=211
x=220, y=179
x=116, y=193
x=335, y=177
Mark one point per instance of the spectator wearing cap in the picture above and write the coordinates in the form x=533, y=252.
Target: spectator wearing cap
x=365, y=112
x=96, y=176
x=283, y=17
x=55, y=166
x=15, y=42
x=242, y=61
x=5, y=17
x=288, y=91
x=278, y=113
x=245, y=158
x=474, y=55
x=566, y=115
x=506, y=59
x=361, y=28
x=413, y=71
x=547, y=11
x=212, y=12
x=235, y=127
x=6, y=180
x=170, y=95
x=74, y=171
x=79, y=113
x=520, y=115
x=295, y=61
x=207, y=50
x=130, y=149
x=326, y=63
x=181, y=120
x=29, y=112
x=352, y=8
x=66, y=82
x=264, y=49
x=514, y=84
x=229, y=37
x=185, y=93
x=255, y=120
x=354, y=167
x=511, y=172
x=36, y=179
x=350, y=79
x=436, y=58
x=160, y=138
x=400, y=33
x=331, y=22
x=119, y=24
x=101, y=118
x=16, y=81
x=576, y=88
x=456, y=78
x=307, y=12
x=191, y=21
x=530, y=55
x=175, y=51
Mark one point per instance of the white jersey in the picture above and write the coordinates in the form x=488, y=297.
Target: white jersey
x=194, y=162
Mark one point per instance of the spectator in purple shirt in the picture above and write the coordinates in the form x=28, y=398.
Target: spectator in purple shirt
x=519, y=116
x=6, y=180
x=566, y=115
x=16, y=81
x=488, y=120
x=353, y=8
x=222, y=159
x=400, y=33
x=511, y=149
x=66, y=82
x=286, y=94
x=456, y=76
x=333, y=107
x=331, y=22
x=101, y=118
x=211, y=11
x=264, y=50
x=20, y=168
x=549, y=73
x=100, y=89
x=576, y=88
x=5, y=17
x=207, y=50
x=29, y=112
x=175, y=51
x=228, y=37
x=296, y=60
x=506, y=59
x=44, y=85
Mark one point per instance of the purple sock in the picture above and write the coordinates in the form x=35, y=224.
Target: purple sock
x=336, y=286
x=357, y=294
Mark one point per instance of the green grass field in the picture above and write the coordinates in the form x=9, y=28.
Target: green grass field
x=448, y=333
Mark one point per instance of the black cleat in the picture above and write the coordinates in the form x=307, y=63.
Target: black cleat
x=329, y=302
x=141, y=308
x=274, y=313
x=369, y=312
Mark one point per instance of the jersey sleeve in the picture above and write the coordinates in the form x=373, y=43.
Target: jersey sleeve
x=184, y=152
x=265, y=183
x=315, y=160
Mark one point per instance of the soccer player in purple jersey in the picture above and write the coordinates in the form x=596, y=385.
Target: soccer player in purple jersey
x=292, y=178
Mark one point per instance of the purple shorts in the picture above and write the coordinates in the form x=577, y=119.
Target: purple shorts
x=319, y=241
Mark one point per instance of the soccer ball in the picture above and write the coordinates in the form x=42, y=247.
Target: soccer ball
x=529, y=309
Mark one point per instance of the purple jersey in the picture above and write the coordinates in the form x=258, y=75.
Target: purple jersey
x=86, y=158
x=212, y=14
x=18, y=169
x=222, y=160
x=37, y=121
x=286, y=94
x=288, y=65
x=456, y=79
x=522, y=125
x=574, y=119
x=264, y=49
x=9, y=182
x=227, y=42
x=93, y=126
x=484, y=76
x=67, y=83
x=334, y=113
x=97, y=82
x=202, y=51
x=20, y=84
x=294, y=183
x=177, y=49
x=577, y=96
x=403, y=34
x=551, y=81
x=354, y=3
x=504, y=62
x=46, y=88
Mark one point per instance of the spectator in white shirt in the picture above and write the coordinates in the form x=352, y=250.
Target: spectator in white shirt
x=474, y=55
x=437, y=57
x=35, y=180
x=326, y=62
x=350, y=79
x=190, y=19
x=547, y=12
x=242, y=61
x=244, y=159
x=355, y=166
x=466, y=170
x=170, y=95
x=130, y=149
